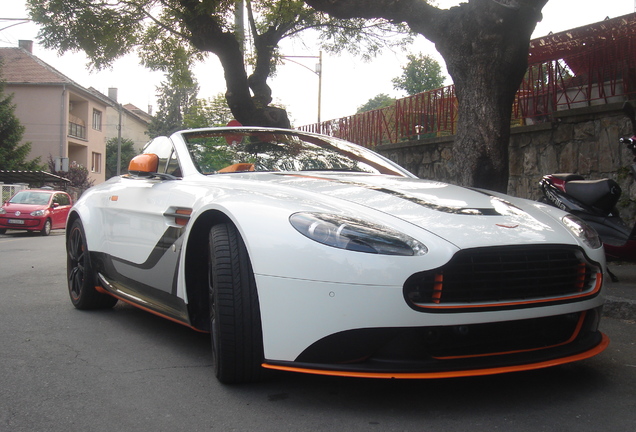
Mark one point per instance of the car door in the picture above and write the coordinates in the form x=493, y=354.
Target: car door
x=54, y=211
x=60, y=206
x=141, y=240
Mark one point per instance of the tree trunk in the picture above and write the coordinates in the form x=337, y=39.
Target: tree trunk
x=208, y=36
x=486, y=53
x=485, y=46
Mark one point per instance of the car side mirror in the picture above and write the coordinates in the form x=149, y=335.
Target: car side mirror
x=55, y=205
x=144, y=165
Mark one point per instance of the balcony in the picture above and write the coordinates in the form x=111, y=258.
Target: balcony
x=76, y=127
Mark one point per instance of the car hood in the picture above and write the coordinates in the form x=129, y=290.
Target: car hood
x=23, y=208
x=465, y=217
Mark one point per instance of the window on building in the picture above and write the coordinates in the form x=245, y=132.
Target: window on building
x=97, y=120
x=96, y=163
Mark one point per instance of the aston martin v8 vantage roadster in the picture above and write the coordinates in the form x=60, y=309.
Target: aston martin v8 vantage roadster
x=301, y=252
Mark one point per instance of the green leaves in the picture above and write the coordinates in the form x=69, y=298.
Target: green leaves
x=422, y=73
x=103, y=30
x=381, y=100
x=127, y=153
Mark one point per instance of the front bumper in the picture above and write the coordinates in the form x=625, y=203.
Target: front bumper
x=453, y=351
x=372, y=330
x=30, y=224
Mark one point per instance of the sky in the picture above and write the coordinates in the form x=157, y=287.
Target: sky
x=347, y=81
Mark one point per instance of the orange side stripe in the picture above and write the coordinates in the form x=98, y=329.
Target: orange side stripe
x=450, y=374
x=101, y=289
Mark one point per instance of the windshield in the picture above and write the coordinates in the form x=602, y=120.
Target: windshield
x=26, y=197
x=234, y=150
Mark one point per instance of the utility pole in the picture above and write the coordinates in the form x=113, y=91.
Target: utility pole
x=317, y=70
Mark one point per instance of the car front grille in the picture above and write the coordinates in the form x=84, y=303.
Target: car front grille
x=500, y=277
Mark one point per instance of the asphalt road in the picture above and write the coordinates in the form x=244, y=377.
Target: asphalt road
x=126, y=370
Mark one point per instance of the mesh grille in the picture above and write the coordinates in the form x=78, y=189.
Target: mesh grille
x=502, y=275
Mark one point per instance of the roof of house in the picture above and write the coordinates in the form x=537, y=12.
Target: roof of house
x=20, y=67
x=139, y=112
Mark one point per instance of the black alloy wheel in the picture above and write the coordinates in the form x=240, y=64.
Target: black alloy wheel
x=80, y=275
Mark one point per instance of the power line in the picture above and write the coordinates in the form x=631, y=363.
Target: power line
x=20, y=21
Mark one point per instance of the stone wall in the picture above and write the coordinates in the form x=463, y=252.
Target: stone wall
x=582, y=141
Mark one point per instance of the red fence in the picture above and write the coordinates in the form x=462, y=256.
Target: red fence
x=590, y=65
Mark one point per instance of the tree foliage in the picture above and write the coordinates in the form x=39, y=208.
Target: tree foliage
x=485, y=46
x=13, y=155
x=208, y=112
x=381, y=100
x=127, y=153
x=77, y=174
x=176, y=97
x=106, y=30
x=421, y=73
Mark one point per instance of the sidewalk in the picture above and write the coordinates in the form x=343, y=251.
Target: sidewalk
x=620, y=297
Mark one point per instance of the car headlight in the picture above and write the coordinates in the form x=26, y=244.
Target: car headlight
x=583, y=231
x=3, y=211
x=355, y=234
x=38, y=213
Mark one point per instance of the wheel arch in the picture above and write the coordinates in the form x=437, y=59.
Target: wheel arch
x=72, y=217
x=196, y=267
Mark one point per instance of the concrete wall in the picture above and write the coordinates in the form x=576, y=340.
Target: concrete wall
x=582, y=140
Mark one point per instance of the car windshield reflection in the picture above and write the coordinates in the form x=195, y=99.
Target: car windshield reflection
x=35, y=198
x=253, y=150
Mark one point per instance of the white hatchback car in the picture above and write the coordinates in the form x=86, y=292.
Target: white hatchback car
x=301, y=252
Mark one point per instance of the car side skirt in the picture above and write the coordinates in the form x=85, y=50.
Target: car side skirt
x=172, y=308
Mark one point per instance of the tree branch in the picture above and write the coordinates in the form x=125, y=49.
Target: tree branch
x=420, y=16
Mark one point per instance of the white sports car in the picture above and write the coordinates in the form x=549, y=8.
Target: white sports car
x=301, y=252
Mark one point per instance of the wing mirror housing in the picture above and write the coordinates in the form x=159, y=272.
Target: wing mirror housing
x=144, y=165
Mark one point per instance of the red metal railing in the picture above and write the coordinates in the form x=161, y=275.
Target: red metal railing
x=429, y=114
x=591, y=65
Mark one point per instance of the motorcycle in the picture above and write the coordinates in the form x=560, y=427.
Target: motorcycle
x=595, y=201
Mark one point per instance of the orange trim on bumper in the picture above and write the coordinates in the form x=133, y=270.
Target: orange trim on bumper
x=451, y=374
x=438, y=292
x=575, y=334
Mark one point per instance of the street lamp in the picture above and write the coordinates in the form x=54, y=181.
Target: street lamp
x=317, y=71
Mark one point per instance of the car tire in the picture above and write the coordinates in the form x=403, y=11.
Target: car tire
x=46, y=229
x=80, y=275
x=235, y=320
x=3, y=230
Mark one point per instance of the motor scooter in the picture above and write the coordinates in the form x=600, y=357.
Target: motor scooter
x=595, y=201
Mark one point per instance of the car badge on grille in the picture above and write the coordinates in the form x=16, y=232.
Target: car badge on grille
x=18, y=213
x=507, y=225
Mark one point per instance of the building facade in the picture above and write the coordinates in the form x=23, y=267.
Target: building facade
x=63, y=120
x=132, y=121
